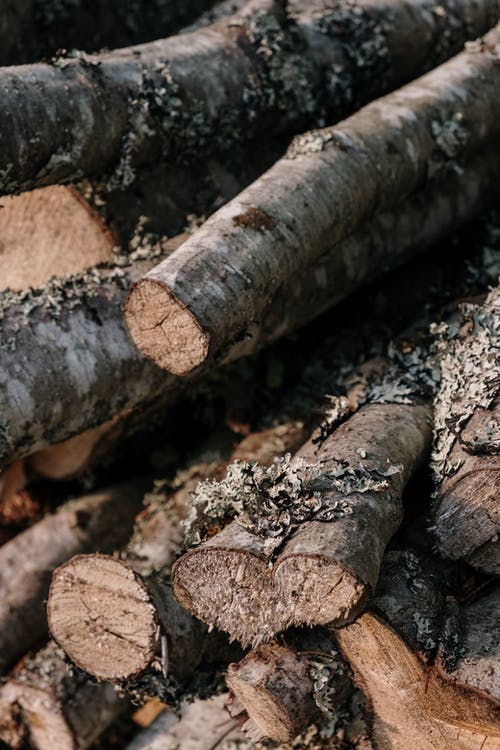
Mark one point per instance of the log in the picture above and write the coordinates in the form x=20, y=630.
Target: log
x=466, y=456
x=375, y=453
x=102, y=520
x=274, y=230
x=49, y=706
x=417, y=705
x=277, y=689
x=132, y=618
x=203, y=725
x=34, y=29
x=207, y=90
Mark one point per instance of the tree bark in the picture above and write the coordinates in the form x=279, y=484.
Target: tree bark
x=274, y=229
x=466, y=457
x=34, y=29
x=209, y=89
x=102, y=520
x=51, y=707
x=203, y=725
x=342, y=555
x=414, y=704
x=97, y=599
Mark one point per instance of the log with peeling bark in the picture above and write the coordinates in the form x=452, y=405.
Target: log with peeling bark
x=203, y=725
x=99, y=521
x=325, y=571
x=466, y=457
x=34, y=29
x=94, y=389
x=133, y=617
x=309, y=201
x=46, y=704
x=414, y=704
x=273, y=686
x=264, y=67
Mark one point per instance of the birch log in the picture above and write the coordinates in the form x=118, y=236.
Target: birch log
x=466, y=456
x=34, y=29
x=416, y=705
x=132, y=617
x=324, y=572
x=308, y=202
x=102, y=520
x=49, y=706
x=210, y=88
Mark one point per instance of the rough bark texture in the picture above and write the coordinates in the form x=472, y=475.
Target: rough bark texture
x=102, y=520
x=218, y=85
x=203, y=725
x=50, y=706
x=413, y=704
x=49, y=232
x=99, y=600
x=284, y=221
x=279, y=687
x=325, y=572
x=466, y=457
x=34, y=29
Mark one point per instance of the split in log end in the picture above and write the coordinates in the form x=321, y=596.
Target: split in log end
x=84, y=596
x=164, y=329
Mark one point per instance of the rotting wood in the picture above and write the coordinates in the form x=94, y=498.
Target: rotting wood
x=35, y=29
x=466, y=457
x=102, y=520
x=131, y=616
x=341, y=503
x=414, y=704
x=49, y=705
x=258, y=68
x=283, y=222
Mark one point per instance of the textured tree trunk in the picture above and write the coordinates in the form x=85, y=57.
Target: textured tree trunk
x=46, y=704
x=325, y=572
x=102, y=520
x=319, y=193
x=417, y=705
x=466, y=457
x=204, y=724
x=97, y=599
x=274, y=685
x=34, y=29
x=207, y=90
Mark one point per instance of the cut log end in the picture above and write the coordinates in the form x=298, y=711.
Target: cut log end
x=319, y=590
x=200, y=584
x=164, y=329
x=84, y=596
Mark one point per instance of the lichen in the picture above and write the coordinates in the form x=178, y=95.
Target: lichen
x=324, y=671
x=468, y=351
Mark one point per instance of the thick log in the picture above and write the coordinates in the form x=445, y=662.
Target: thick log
x=132, y=617
x=325, y=571
x=466, y=456
x=99, y=521
x=50, y=706
x=414, y=704
x=209, y=89
x=308, y=202
x=203, y=725
x=34, y=29
x=276, y=685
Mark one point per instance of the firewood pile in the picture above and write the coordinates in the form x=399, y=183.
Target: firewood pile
x=250, y=375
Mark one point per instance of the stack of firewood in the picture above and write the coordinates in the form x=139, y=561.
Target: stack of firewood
x=242, y=518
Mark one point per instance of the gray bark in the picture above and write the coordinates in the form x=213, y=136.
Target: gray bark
x=99, y=521
x=326, y=571
x=208, y=89
x=329, y=182
x=34, y=29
